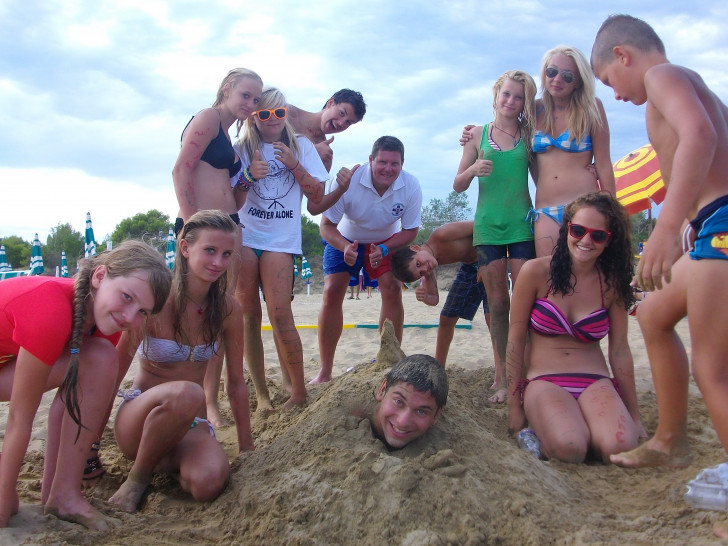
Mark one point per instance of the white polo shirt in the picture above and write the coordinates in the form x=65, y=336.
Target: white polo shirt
x=363, y=215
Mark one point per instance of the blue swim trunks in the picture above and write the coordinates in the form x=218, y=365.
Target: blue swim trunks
x=334, y=262
x=711, y=231
x=465, y=294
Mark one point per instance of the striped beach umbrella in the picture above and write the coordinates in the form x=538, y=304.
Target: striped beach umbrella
x=36, y=258
x=639, y=180
x=4, y=265
x=64, y=264
x=90, y=246
x=305, y=268
x=171, y=249
x=295, y=269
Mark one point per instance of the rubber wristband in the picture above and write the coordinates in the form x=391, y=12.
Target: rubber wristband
x=385, y=250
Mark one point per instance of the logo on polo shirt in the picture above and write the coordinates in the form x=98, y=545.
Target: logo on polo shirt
x=397, y=209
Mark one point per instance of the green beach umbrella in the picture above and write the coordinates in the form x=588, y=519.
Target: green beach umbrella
x=90, y=247
x=36, y=258
x=305, y=268
x=64, y=264
x=169, y=255
x=4, y=265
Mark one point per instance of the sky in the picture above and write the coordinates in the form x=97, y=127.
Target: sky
x=94, y=95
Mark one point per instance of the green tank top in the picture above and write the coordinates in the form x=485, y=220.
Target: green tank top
x=503, y=198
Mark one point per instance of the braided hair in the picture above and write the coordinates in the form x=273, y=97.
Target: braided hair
x=127, y=258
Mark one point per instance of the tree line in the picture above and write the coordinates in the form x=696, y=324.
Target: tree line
x=153, y=227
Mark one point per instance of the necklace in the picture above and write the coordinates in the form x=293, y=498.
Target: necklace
x=513, y=136
x=200, y=308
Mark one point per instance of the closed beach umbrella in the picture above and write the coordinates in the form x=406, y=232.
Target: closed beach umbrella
x=90, y=247
x=639, y=180
x=36, y=258
x=169, y=255
x=295, y=269
x=4, y=265
x=64, y=264
x=305, y=268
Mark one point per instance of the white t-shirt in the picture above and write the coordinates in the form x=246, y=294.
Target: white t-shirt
x=363, y=215
x=272, y=210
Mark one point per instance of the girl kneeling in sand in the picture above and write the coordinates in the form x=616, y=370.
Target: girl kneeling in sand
x=569, y=302
x=161, y=422
x=58, y=332
x=289, y=168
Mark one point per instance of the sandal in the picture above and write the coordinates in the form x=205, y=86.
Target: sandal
x=94, y=468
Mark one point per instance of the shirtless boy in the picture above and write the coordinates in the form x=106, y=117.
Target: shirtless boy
x=341, y=111
x=448, y=244
x=688, y=126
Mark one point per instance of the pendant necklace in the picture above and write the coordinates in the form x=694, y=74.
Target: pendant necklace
x=200, y=308
x=515, y=142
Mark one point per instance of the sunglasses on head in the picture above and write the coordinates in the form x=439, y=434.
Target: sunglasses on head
x=265, y=115
x=599, y=236
x=566, y=75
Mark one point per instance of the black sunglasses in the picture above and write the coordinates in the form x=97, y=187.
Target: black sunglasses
x=566, y=75
x=599, y=236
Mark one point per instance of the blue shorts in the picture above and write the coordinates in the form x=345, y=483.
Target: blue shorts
x=525, y=250
x=711, y=231
x=465, y=294
x=334, y=262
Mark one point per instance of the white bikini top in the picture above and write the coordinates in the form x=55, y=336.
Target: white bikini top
x=166, y=350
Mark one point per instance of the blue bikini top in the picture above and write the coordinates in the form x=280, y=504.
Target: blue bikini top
x=541, y=142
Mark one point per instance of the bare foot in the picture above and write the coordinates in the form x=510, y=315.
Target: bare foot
x=499, y=397
x=128, y=496
x=294, y=402
x=322, y=377
x=264, y=406
x=89, y=517
x=647, y=455
x=720, y=529
x=213, y=415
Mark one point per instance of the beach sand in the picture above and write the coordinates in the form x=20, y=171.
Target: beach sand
x=318, y=477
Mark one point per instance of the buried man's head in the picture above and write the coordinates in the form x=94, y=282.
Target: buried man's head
x=410, y=398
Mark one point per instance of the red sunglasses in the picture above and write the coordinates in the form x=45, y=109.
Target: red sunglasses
x=599, y=236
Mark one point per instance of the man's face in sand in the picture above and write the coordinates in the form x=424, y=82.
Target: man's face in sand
x=403, y=413
x=337, y=117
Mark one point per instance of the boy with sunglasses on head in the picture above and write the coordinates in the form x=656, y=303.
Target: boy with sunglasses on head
x=341, y=111
x=448, y=244
x=688, y=126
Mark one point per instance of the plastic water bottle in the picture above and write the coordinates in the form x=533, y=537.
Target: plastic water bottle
x=709, y=489
x=528, y=441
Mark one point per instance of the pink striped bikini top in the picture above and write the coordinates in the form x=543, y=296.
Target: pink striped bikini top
x=549, y=320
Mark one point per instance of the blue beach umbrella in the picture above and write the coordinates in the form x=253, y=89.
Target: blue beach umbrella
x=4, y=265
x=170, y=253
x=90, y=246
x=64, y=264
x=305, y=268
x=295, y=269
x=36, y=258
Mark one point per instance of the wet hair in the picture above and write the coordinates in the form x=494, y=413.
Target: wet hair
x=250, y=140
x=527, y=117
x=583, y=113
x=401, y=261
x=388, y=144
x=216, y=309
x=350, y=97
x=129, y=257
x=232, y=78
x=619, y=30
x=615, y=261
x=424, y=373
